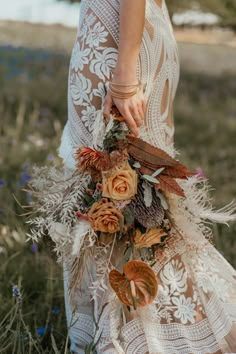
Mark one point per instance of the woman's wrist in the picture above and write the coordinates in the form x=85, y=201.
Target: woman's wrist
x=124, y=74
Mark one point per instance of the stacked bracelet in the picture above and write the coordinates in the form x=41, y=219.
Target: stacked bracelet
x=118, y=93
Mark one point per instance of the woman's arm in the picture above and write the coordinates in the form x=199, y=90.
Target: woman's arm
x=132, y=17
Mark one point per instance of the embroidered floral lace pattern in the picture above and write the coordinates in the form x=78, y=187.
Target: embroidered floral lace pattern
x=195, y=309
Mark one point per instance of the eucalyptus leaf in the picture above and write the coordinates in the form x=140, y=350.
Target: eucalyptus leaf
x=163, y=200
x=136, y=165
x=150, y=179
x=157, y=172
x=129, y=216
x=147, y=194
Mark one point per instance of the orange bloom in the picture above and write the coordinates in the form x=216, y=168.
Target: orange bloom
x=105, y=217
x=137, y=286
x=120, y=183
x=90, y=159
x=151, y=237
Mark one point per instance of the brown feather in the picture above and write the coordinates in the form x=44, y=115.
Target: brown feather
x=143, y=151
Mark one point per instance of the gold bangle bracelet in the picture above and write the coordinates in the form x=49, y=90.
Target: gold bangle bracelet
x=125, y=92
x=126, y=85
x=124, y=95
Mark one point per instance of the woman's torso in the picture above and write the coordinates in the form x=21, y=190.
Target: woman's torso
x=94, y=57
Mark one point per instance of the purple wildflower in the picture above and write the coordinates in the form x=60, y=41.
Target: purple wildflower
x=25, y=166
x=17, y=294
x=50, y=157
x=55, y=310
x=26, y=177
x=34, y=248
x=41, y=331
x=2, y=183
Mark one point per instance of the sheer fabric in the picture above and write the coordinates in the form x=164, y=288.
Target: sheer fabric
x=195, y=309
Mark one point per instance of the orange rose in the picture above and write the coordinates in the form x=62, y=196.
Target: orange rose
x=105, y=217
x=120, y=183
x=151, y=237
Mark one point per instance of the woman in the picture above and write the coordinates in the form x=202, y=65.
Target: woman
x=122, y=42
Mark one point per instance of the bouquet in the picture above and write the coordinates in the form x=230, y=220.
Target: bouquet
x=117, y=194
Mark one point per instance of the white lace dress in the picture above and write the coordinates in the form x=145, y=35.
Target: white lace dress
x=195, y=309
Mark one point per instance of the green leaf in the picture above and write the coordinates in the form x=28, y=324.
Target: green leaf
x=150, y=179
x=121, y=225
x=136, y=165
x=163, y=200
x=129, y=216
x=160, y=170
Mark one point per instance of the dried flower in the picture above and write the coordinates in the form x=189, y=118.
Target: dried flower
x=99, y=186
x=118, y=157
x=120, y=183
x=137, y=286
x=105, y=217
x=91, y=160
x=82, y=216
x=150, y=238
x=149, y=217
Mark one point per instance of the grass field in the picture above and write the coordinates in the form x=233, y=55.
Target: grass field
x=33, y=111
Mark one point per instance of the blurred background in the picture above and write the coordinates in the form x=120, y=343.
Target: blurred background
x=36, y=39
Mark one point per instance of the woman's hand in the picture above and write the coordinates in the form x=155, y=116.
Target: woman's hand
x=132, y=109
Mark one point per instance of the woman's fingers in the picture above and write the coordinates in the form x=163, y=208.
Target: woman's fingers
x=137, y=115
x=131, y=122
x=132, y=109
x=107, y=106
x=144, y=105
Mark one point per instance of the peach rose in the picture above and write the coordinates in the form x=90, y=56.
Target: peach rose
x=105, y=217
x=120, y=183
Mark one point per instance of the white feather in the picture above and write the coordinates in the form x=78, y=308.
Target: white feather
x=80, y=231
x=199, y=203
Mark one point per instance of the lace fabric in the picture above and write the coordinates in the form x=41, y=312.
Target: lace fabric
x=195, y=309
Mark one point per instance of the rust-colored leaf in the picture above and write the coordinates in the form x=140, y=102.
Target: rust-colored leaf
x=169, y=185
x=152, y=158
x=143, y=279
x=178, y=171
